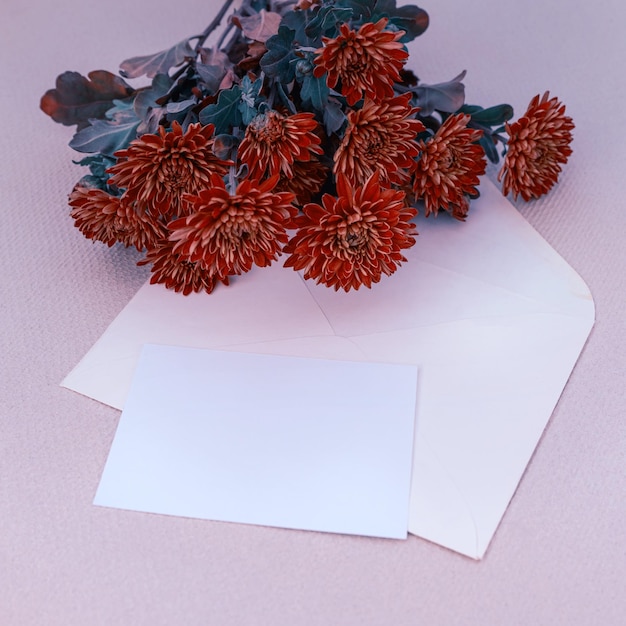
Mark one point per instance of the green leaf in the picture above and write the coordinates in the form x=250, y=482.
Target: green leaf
x=326, y=20
x=494, y=116
x=334, y=117
x=158, y=63
x=210, y=75
x=284, y=97
x=77, y=99
x=146, y=107
x=181, y=106
x=447, y=97
x=249, y=94
x=225, y=113
x=98, y=165
x=257, y=5
x=277, y=61
x=360, y=8
x=121, y=110
x=92, y=182
x=410, y=18
x=315, y=91
x=298, y=22
x=212, y=67
x=470, y=108
x=489, y=147
x=106, y=136
x=146, y=98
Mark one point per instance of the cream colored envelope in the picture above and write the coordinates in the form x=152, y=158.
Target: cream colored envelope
x=492, y=315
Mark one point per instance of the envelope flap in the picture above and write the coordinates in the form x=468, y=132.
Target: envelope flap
x=498, y=246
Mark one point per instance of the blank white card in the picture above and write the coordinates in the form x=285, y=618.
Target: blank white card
x=262, y=439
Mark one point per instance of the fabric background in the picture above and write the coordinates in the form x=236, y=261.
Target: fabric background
x=559, y=556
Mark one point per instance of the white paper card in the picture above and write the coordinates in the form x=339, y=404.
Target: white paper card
x=291, y=442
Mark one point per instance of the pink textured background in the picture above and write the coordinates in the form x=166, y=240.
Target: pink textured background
x=559, y=556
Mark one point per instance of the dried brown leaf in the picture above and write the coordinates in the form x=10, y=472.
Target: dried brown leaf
x=261, y=26
x=77, y=99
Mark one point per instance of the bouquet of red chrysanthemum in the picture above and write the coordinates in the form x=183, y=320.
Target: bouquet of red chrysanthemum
x=300, y=131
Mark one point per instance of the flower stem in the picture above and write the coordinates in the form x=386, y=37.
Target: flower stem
x=232, y=180
x=213, y=25
x=224, y=36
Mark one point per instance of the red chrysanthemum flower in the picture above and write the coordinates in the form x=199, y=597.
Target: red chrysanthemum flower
x=307, y=180
x=226, y=233
x=448, y=167
x=177, y=272
x=103, y=217
x=156, y=170
x=95, y=214
x=353, y=239
x=140, y=229
x=539, y=142
x=367, y=62
x=274, y=142
x=381, y=138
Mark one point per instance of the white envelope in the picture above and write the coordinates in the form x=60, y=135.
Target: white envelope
x=492, y=315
